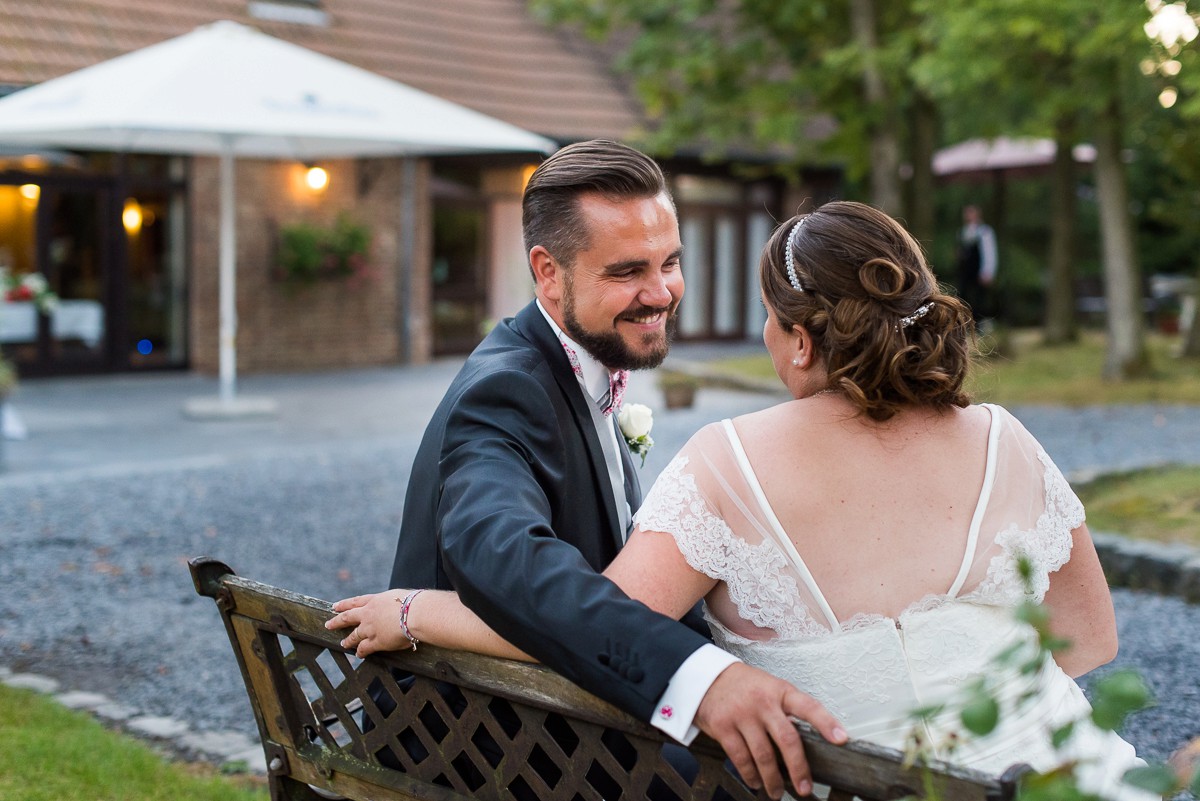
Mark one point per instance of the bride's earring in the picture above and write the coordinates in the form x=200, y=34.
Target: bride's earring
x=795, y=362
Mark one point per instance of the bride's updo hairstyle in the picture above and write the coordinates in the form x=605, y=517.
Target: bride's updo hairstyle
x=859, y=283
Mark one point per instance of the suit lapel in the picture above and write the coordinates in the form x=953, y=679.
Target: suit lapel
x=633, y=487
x=533, y=327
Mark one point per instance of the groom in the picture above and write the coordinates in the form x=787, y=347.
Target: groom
x=523, y=488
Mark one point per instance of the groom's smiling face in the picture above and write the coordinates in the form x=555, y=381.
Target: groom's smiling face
x=619, y=297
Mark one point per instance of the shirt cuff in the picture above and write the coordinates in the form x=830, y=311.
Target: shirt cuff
x=677, y=707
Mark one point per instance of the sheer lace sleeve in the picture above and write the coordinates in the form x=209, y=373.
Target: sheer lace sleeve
x=1033, y=513
x=700, y=501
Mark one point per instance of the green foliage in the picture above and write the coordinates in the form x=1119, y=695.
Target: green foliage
x=1059, y=737
x=760, y=74
x=309, y=252
x=1016, y=66
x=1158, y=779
x=1116, y=696
x=980, y=713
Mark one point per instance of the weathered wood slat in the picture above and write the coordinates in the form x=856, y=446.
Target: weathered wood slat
x=466, y=726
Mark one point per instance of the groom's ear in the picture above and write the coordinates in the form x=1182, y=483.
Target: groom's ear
x=547, y=273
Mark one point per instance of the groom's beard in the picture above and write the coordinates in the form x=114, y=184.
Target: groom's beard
x=609, y=347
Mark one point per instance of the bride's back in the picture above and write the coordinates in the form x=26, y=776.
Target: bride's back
x=878, y=511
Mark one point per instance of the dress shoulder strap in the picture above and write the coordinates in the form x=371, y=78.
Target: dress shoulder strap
x=985, y=494
x=782, y=540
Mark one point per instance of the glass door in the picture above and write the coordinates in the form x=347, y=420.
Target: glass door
x=459, y=276
x=106, y=234
x=54, y=235
x=75, y=255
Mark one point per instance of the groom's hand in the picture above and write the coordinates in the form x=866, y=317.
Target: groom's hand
x=748, y=712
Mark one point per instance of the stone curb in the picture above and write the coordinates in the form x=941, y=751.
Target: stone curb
x=224, y=748
x=1167, y=569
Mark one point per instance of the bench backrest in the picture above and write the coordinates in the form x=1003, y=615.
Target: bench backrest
x=472, y=727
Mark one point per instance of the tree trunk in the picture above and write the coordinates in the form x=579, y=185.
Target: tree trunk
x=885, y=145
x=1126, y=355
x=922, y=212
x=1191, y=337
x=1060, y=274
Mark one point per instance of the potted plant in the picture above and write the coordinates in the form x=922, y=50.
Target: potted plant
x=309, y=252
x=27, y=288
x=678, y=388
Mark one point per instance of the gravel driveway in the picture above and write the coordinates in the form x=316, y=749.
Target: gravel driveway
x=113, y=492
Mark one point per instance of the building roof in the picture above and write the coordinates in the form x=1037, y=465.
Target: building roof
x=489, y=55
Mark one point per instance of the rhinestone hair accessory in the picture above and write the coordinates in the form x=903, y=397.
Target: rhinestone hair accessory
x=789, y=260
x=921, y=311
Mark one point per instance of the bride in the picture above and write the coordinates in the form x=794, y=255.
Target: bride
x=863, y=540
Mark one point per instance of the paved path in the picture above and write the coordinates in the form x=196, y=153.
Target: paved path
x=114, y=490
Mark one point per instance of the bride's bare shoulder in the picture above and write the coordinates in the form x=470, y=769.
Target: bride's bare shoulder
x=773, y=418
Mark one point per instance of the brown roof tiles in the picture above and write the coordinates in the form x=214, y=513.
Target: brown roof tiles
x=489, y=55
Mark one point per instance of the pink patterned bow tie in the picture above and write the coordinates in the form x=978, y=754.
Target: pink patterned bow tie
x=616, y=391
x=616, y=382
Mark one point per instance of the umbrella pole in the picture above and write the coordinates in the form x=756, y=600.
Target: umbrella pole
x=228, y=293
x=226, y=405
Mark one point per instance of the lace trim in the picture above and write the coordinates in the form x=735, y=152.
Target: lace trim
x=754, y=575
x=1047, y=546
x=757, y=576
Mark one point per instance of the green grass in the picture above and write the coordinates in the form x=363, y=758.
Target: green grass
x=50, y=753
x=1025, y=371
x=1070, y=375
x=1159, y=504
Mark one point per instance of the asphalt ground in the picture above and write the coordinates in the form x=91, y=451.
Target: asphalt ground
x=115, y=489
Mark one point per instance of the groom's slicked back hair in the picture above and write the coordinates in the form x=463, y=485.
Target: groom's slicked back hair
x=550, y=214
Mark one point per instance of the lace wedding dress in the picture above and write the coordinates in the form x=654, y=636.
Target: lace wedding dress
x=873, y=671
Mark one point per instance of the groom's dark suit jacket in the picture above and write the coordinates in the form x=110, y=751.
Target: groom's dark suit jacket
x=510, y=504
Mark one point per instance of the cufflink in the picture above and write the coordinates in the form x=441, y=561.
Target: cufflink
x=667, y=712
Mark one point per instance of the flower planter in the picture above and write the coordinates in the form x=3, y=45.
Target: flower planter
x=679, y=396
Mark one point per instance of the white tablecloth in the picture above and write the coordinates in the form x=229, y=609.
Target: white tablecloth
x=72, y=319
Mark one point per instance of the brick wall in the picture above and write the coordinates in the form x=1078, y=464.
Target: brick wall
x=332, y=323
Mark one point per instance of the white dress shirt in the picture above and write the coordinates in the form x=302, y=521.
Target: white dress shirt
x=676, y=708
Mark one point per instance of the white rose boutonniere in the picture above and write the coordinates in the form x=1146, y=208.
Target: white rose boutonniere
x=635, y=421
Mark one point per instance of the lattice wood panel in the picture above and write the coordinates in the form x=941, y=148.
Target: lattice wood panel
x=459, y=726
x=471, y=741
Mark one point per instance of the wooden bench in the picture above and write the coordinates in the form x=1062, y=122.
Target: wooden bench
x=558, y=742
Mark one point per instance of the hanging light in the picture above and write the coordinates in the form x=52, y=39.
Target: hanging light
x=131, y=217
x=30, y=192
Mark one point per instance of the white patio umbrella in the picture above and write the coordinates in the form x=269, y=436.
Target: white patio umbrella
x=1002, y=153
x=229, y=90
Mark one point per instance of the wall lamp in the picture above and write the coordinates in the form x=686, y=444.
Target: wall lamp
x=317, y=178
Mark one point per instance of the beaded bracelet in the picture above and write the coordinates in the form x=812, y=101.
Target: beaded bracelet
x=404, y=607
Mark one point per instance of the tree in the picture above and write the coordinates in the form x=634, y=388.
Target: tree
x=1050, y=69
x=817, y=82
x=1175, y=65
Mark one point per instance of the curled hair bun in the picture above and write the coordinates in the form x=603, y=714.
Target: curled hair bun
x=884, y=279
x=862, y=275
